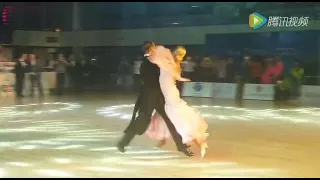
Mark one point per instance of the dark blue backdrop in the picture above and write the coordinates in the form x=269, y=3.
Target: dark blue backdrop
x=289, y=45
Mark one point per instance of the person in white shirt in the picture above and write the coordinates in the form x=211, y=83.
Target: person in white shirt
x=61, y=65
x=188, y=67
x=35, y=70
x=136, y=73
x=221, y=67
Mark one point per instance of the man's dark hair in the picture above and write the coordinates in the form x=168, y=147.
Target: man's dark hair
x=146, y=46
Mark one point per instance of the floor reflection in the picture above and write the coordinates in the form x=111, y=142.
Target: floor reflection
x=75, y=137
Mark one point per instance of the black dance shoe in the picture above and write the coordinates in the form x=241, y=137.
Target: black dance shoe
x=120, y=147
x=187, y=152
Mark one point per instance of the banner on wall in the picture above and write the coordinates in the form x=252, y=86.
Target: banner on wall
x=197, y=89
x=309, y=94
x=224, y=90
x=258, y=92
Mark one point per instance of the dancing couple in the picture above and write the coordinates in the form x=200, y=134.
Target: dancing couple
x=173, y=118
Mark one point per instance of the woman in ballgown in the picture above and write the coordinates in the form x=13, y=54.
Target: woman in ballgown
x=187, y=120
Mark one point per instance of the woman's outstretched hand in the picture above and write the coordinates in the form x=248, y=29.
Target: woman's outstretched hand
x=184, y=79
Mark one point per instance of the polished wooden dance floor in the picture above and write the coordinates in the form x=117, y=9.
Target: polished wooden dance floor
x=76, y=136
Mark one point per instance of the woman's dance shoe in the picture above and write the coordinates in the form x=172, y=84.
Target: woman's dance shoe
x=204, y=146
x=161, y=143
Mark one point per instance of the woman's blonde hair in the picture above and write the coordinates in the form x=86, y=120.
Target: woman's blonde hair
x=179, y=49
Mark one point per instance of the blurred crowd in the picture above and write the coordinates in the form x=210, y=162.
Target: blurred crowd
x=251, y=69
x=254, y=70
x=122, y=72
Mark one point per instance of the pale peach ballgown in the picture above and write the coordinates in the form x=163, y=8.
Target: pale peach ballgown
x=187, y=120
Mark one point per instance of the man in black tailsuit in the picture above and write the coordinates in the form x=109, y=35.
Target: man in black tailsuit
x=150, y=99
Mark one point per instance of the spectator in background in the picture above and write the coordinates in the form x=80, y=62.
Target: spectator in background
x=89, y=72
x=278, y=69
x=256, y=71
x=244, y=76
x=215, y=70
x=297, y=73
x=230, y=70
x=50, y=60
x=35, y=70
x=96, y=72
x=136, y=73
x=267, y=75
x=205, y=70
x=86, y=72
x=124, y=71
x=2, y=58
x=197, y=59
x=79, y=71
x=289, y=87
x=311, y=71
x=61, y=65
x=273, y=72
x=188, y=67
x=221, y=69
x=50, y=64
x=70, y=70
x=282, y=90
x=20, y=70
